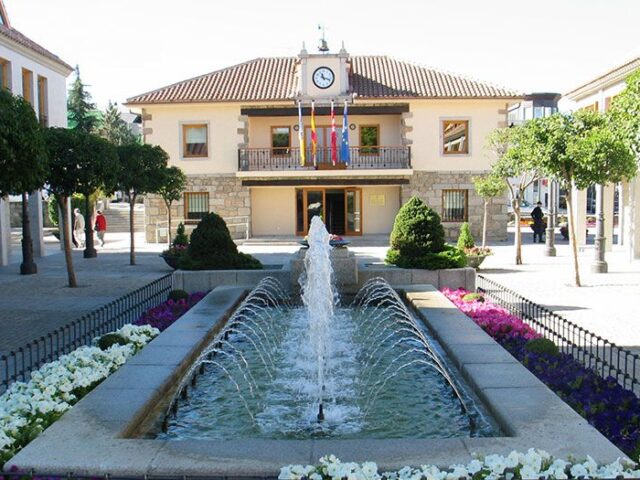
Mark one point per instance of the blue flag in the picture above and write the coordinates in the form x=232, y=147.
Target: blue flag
x=344, y=148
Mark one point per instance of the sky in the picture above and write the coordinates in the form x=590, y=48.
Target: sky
x=127, y=47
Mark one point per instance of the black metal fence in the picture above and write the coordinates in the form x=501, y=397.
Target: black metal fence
x=17, y=365
x=595, y=352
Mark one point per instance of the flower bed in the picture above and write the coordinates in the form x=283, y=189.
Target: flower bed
x=162, y=316
x=26, y=409
x=604, y=403
x=532, y=465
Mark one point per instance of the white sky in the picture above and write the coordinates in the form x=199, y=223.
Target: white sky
x=126, y=47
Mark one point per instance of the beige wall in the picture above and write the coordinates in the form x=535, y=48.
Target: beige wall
x=379, y=218
x=164, y=128
x=426, y=134
x=273, y=211
x=389, y=128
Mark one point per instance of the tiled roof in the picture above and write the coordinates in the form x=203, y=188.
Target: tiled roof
x=618, y=74
x=271, y=79
x=16, y=36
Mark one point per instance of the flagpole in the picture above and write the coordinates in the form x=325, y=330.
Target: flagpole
x=303, y=159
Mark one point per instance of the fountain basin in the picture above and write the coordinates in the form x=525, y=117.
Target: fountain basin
x=102, y=433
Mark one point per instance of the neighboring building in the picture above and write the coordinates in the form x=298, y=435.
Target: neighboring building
x=412, y=130
x=29, y=70
x=597, y=95
x=535, y=105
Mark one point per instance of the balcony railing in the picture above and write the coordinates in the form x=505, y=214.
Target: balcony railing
x=360, y=158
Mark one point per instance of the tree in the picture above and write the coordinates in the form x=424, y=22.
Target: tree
x=171, y=188
x=114, y=129
x=515, y=165
x=97, y=163
x=140, y=171
x=80, y=106
x=62, y=182
x=487, y=187
x=624, y=115
x=579, y=150
x=23, y=162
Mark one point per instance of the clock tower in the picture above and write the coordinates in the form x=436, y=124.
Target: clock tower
x=323, y=77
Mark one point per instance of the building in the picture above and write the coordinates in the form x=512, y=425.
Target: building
x=29, y=70
x=411, y=131
x=597, y=94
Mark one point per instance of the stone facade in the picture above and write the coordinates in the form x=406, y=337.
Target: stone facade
x=227, y=197
x=429, y=186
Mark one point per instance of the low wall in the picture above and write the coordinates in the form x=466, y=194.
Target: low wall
x=448, y=278
x=204, y=280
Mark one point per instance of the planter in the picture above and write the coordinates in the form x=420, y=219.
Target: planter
x=474, y=261
x=171, y=260
x=333, y=243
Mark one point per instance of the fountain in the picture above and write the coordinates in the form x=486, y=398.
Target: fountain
x=276, y=370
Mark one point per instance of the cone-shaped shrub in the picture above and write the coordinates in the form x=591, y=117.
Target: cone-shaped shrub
x=212, y=248
x=465, y=239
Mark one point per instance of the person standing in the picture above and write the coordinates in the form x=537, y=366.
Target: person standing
x=78, y=228
x=538, y=222
x=101, y=226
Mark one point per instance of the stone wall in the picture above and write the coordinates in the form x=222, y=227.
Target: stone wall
x=429, y=186
x=227, y=197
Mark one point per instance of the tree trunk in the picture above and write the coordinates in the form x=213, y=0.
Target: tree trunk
x=65, y=226
x=132, y=252
x=28, y=266
x=89, y=247
x=169, y=224
x=572, y=238
x=518, y=233
x=484, y=224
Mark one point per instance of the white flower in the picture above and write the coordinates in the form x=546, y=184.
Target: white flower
x=579, y=470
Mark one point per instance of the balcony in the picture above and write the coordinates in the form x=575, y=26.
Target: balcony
x=288, y=159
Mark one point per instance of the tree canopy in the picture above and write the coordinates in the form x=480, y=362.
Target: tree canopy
x=114, y=128
x=172, y=186
x=81, y=109
x=625, y=113
x=140, y=168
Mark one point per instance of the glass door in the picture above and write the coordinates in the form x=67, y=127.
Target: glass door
x=353, y=211
x=309, y=203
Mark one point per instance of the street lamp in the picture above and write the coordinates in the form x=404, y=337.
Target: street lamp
x=549, y=244
x=599, y=264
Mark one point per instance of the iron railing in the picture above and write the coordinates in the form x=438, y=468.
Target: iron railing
x=599, y=354
x=18, y=364
x=360, y=158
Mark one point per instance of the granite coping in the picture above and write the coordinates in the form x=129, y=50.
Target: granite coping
x=98, y=435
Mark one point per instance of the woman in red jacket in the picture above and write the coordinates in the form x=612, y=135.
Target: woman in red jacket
x=101, y=227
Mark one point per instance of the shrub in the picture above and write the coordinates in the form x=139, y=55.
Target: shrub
x=177, y=294
x=542, y=345
x=181, y=237
x=465, y=239
x=107, y=341
x=473, y=297
x=212, y=248
x=450, y=257
x=417, y=230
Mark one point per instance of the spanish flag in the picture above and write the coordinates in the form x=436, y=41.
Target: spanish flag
x=314, y=135
x=303, y=156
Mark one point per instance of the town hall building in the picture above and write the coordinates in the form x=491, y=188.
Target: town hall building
x=410, y=130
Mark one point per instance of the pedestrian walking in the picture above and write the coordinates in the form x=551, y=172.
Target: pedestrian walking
x=101, y=226
x=538, y=222
x=78, y=228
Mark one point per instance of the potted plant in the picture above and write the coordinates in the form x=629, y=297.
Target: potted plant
x=475, y=255
x=177, y=248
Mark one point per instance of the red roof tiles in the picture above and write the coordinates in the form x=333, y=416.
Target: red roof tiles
x=271, y=79
x=16, y=36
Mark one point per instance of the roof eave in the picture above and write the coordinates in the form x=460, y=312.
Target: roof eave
x=57, y=65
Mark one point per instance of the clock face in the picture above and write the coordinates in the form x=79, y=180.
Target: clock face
x=323, y=77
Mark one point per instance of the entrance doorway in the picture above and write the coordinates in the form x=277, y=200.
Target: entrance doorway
x=339, y=208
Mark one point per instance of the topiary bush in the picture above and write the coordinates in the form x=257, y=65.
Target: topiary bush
x=107, y=341
x=465, y=239
x=212, y=248
x=417, y=240
x=542, y=345
x=177, y=295
x=181, y=237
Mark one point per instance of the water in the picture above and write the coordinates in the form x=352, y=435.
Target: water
x=372, y=367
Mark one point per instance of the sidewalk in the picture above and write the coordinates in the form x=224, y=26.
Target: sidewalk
x=33, y=305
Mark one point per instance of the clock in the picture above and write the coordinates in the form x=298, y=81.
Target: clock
x=323, y=77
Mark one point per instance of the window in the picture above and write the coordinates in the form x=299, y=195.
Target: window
x=280, y=140
x=5, y=79
x=194, y=140
x=594, y=107
x=454, y=205
x=43, y=109
x=369, y=138
x=27, y=85
x=196, y=205
x=455, y=137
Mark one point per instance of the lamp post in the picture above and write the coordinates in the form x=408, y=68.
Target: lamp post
x=550, y=239
x=599, y=264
